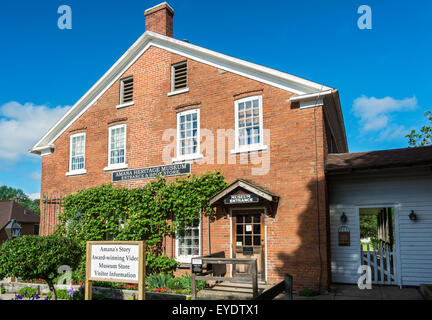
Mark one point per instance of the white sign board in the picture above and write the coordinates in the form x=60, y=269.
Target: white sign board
x=114, y=262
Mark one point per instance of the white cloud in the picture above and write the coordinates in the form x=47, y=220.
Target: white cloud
x=21, y=126
x=375, y=114
x=392, y=133
x=35, y=175
x=34, y=196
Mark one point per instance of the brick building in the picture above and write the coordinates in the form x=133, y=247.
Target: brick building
x=269, y=133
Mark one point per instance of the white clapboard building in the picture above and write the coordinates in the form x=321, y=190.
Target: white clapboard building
x=393, y=187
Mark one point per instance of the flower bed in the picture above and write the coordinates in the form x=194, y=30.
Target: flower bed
x=158, y=287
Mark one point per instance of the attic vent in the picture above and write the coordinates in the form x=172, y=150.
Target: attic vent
x=126, y=90
x=179, y=76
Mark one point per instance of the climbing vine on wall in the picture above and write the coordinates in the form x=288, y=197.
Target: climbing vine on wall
x=149, y=213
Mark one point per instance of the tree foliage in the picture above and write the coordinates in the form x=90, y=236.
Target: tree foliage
x=423, y=137
x=149, y=213
x=9, y=193
x=36, y=257
x=368, y=226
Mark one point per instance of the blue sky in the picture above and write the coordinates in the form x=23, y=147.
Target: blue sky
x=383, y=74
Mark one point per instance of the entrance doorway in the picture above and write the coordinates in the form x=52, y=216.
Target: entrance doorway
x=377, y=237
x=248, y=241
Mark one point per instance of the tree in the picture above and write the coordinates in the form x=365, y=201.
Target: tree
x=37, y=257
x=368, y=226
x=423, y=137
x=9, y=193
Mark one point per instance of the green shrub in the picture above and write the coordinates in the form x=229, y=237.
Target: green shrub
x=186, y=283
x=27, y=292
x=159, y=263
x=174, y=283
x=36, y=257
x=166, y=280
x=3, y=290
x=308, y=293
x=158, y=280
x=62, y=294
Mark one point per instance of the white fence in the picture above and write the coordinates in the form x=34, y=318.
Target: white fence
x=382, y=263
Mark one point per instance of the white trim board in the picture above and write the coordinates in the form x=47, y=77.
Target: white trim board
x=250, y=70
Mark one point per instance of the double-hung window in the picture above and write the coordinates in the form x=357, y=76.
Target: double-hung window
x=188, y=242
x=77, y=154
x=188, y=135
x=117, y=147
x=249, y=124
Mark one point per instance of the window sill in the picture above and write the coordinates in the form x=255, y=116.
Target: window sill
x=249, y=149
x=76, y=172
x=124, y=105
x=116, y=167
x=188, y=158
x=173, y=93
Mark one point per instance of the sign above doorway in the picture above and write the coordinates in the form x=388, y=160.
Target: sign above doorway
x=241, y=198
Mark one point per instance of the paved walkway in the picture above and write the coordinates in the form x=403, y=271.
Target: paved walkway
x=236, y=291
x=378, y=292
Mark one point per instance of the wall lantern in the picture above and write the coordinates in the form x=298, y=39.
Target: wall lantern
x=13, y=229
x=412, y=216
x=343, y=218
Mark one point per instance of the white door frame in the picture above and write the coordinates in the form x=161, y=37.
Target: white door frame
x=396, y=255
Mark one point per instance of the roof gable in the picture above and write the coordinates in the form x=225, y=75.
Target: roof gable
x=247, y=186
x=5, y=213
x=250, y=70
x=10, y=209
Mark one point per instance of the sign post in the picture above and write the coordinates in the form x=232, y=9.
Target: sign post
x=115, y=261
x=197, y=266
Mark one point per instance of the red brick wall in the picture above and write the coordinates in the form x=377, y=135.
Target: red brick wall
x=297, y=151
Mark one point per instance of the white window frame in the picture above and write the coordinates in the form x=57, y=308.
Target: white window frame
x=188, y=258
x=183, y=90
x=252, y=147
x=197, y=154
x=116, y=166
x=77, y=171
x=121, y=103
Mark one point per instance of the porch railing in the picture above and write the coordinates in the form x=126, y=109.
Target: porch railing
x=212, y=262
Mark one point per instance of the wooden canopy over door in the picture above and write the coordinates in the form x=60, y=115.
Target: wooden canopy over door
x=247, y=203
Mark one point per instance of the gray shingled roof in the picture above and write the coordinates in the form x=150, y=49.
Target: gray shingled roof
x=393, y=158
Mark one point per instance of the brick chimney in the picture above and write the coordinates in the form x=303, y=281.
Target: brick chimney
x=160, y=19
